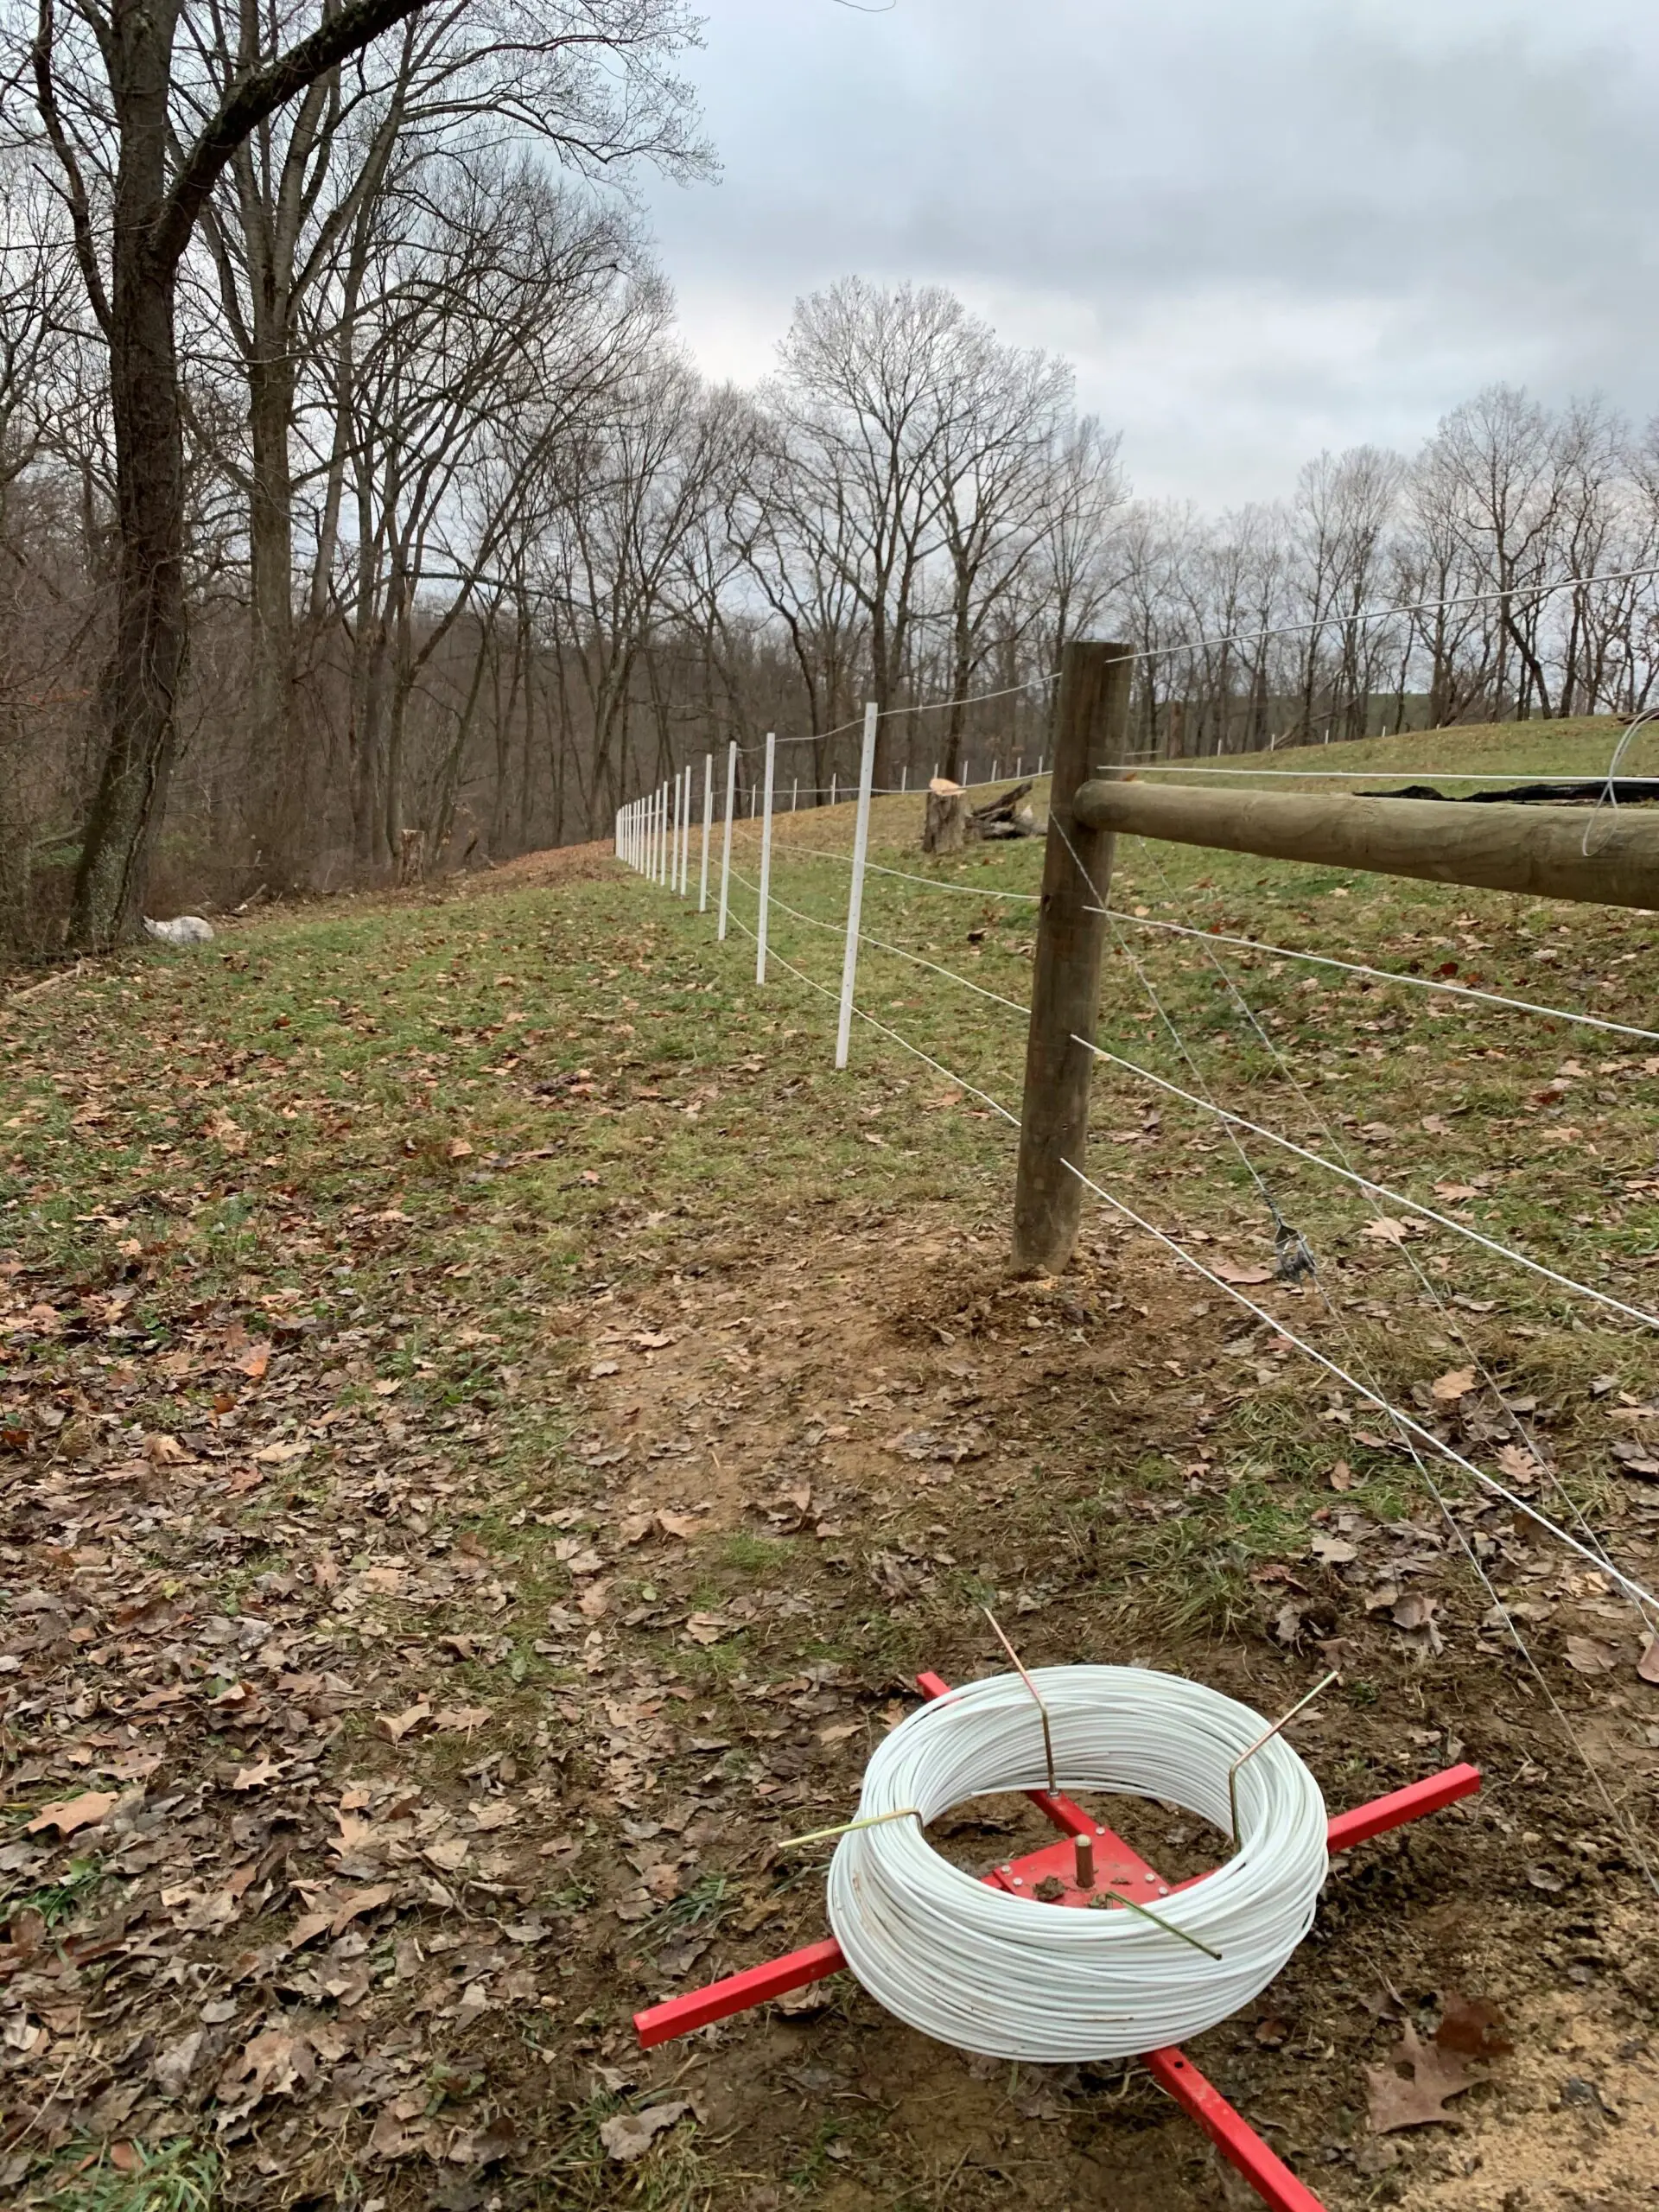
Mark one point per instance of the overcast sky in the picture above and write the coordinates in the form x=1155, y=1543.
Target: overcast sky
x=1257, y=227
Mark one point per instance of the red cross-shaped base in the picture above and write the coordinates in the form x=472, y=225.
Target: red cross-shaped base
x=1115, y=1870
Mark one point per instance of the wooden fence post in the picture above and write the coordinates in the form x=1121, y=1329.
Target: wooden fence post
x=1091, y=731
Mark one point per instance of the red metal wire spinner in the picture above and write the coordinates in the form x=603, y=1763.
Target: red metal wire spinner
x=1093, y=1862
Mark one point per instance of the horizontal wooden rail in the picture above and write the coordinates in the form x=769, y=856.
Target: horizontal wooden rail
x=1535, y=850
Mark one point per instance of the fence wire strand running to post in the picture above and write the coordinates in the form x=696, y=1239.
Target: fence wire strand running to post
x=1409, y=1431
x=1382, y=975
x=1425, y=1284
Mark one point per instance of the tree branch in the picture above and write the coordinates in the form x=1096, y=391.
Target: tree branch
x=246, y=105
x=74, y=191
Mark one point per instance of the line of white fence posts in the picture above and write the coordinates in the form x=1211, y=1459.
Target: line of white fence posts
x=653, y=836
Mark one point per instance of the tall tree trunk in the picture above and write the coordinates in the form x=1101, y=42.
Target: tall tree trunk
x=138, y=697
x=279, y=795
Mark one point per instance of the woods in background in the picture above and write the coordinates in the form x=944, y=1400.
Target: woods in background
x=467, y=552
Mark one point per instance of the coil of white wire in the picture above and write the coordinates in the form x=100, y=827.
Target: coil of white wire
x=993, y=1972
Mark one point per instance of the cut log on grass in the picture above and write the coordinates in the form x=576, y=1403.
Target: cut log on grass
x=951, y=823
x=1006, y=816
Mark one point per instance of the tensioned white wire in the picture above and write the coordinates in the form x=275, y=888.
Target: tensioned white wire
x=1382, y=975
x=990, y=1972
x=1365, y=1183
x=1464, y=1229
x=1436, y=984
x=1412, y=1434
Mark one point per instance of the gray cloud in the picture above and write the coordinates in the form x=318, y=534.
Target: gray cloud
x=1257, y=227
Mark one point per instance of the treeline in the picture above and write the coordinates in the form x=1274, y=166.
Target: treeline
x=1481, y=533
x=467, y=552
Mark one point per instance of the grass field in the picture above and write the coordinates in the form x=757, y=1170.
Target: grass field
x=495, y=1421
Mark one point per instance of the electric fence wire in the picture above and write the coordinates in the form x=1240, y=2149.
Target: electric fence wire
x=1287, y=1242
x=1412, y=1433
x=1371, y=1187
x=1609, y=791
x=1380, y=975
x=1441, y=984
x=1343, y=1165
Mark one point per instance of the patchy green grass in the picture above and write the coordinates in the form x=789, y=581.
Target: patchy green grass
x=382, y=1271
x=179, y=2175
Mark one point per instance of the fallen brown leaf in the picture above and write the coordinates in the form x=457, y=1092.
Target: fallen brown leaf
x=628, y=2135
x=462, y=1717
x=255, y=1778
x=1386, y=1230
x=72, y=1813
x=369, y=1900
x=1230, y=1271
x=1586, y=1656
x=394, y=1727
x=1449, y=1388
x=1411, y=2090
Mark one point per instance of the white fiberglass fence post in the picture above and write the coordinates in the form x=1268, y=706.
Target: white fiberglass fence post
x=676, y=808
x=683, y=857
x=994, y=769
x=855, y=895
x=794, y=794
x=766, y=864
x=662, y=833
x=832, y=787
x=655, y=870
x=707, y=824
x=726, y=840
x=904, y=777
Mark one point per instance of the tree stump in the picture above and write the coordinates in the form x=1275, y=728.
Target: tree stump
x=945, y=827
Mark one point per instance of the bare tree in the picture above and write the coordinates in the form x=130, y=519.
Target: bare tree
x=141, y=146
